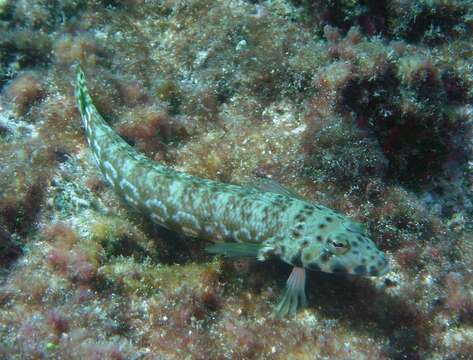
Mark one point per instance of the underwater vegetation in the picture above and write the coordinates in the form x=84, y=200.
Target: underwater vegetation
x=362, y=107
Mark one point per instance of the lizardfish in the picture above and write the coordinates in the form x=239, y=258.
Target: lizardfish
x=259, y=221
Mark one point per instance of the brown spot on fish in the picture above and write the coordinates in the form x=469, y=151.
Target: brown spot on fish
x=300, y=217
x=360, y=270
x=373, y=271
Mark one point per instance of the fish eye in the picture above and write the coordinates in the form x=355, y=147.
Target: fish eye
x=338, y=246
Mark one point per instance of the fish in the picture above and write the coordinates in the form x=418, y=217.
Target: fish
x=263, y=220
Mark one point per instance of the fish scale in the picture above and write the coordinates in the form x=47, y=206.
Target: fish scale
x=260, y=221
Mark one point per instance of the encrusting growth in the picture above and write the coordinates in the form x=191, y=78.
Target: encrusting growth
x=262, y=221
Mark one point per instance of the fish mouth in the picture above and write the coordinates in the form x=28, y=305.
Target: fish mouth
x=379, y=270
x=385, y=269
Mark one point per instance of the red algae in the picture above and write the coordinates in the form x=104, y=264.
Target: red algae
x=24, y=91
x=153, y=131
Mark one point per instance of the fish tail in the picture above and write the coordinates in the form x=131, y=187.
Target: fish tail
x=80, y=91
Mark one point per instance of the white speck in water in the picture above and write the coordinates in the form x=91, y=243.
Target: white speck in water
x=242, y=45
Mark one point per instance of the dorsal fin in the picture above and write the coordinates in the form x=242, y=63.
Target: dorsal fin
x=270, y=185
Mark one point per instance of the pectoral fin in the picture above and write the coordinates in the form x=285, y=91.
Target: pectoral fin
x=235, y=249
x=294, y=295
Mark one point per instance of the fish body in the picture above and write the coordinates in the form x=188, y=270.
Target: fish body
x=243, y=220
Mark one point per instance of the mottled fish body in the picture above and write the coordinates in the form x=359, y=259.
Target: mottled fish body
x=244, y=221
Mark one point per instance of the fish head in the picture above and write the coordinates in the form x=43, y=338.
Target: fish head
x=333, y=243
x=350, y=250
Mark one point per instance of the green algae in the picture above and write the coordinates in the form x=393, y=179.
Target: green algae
x=148, y=279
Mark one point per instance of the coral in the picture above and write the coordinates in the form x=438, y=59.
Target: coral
x=120, y=238
x=342, y=154
x=361, y=106
x=69, y=50
x=21, y=49
x=21, y=197
x=419, y=134
x=153, y=130
x=68, y=258
x=10, y=249
x=168, y=91
x=44, y=15
x=458, y=298
x=370, y=16
x=430, y=21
